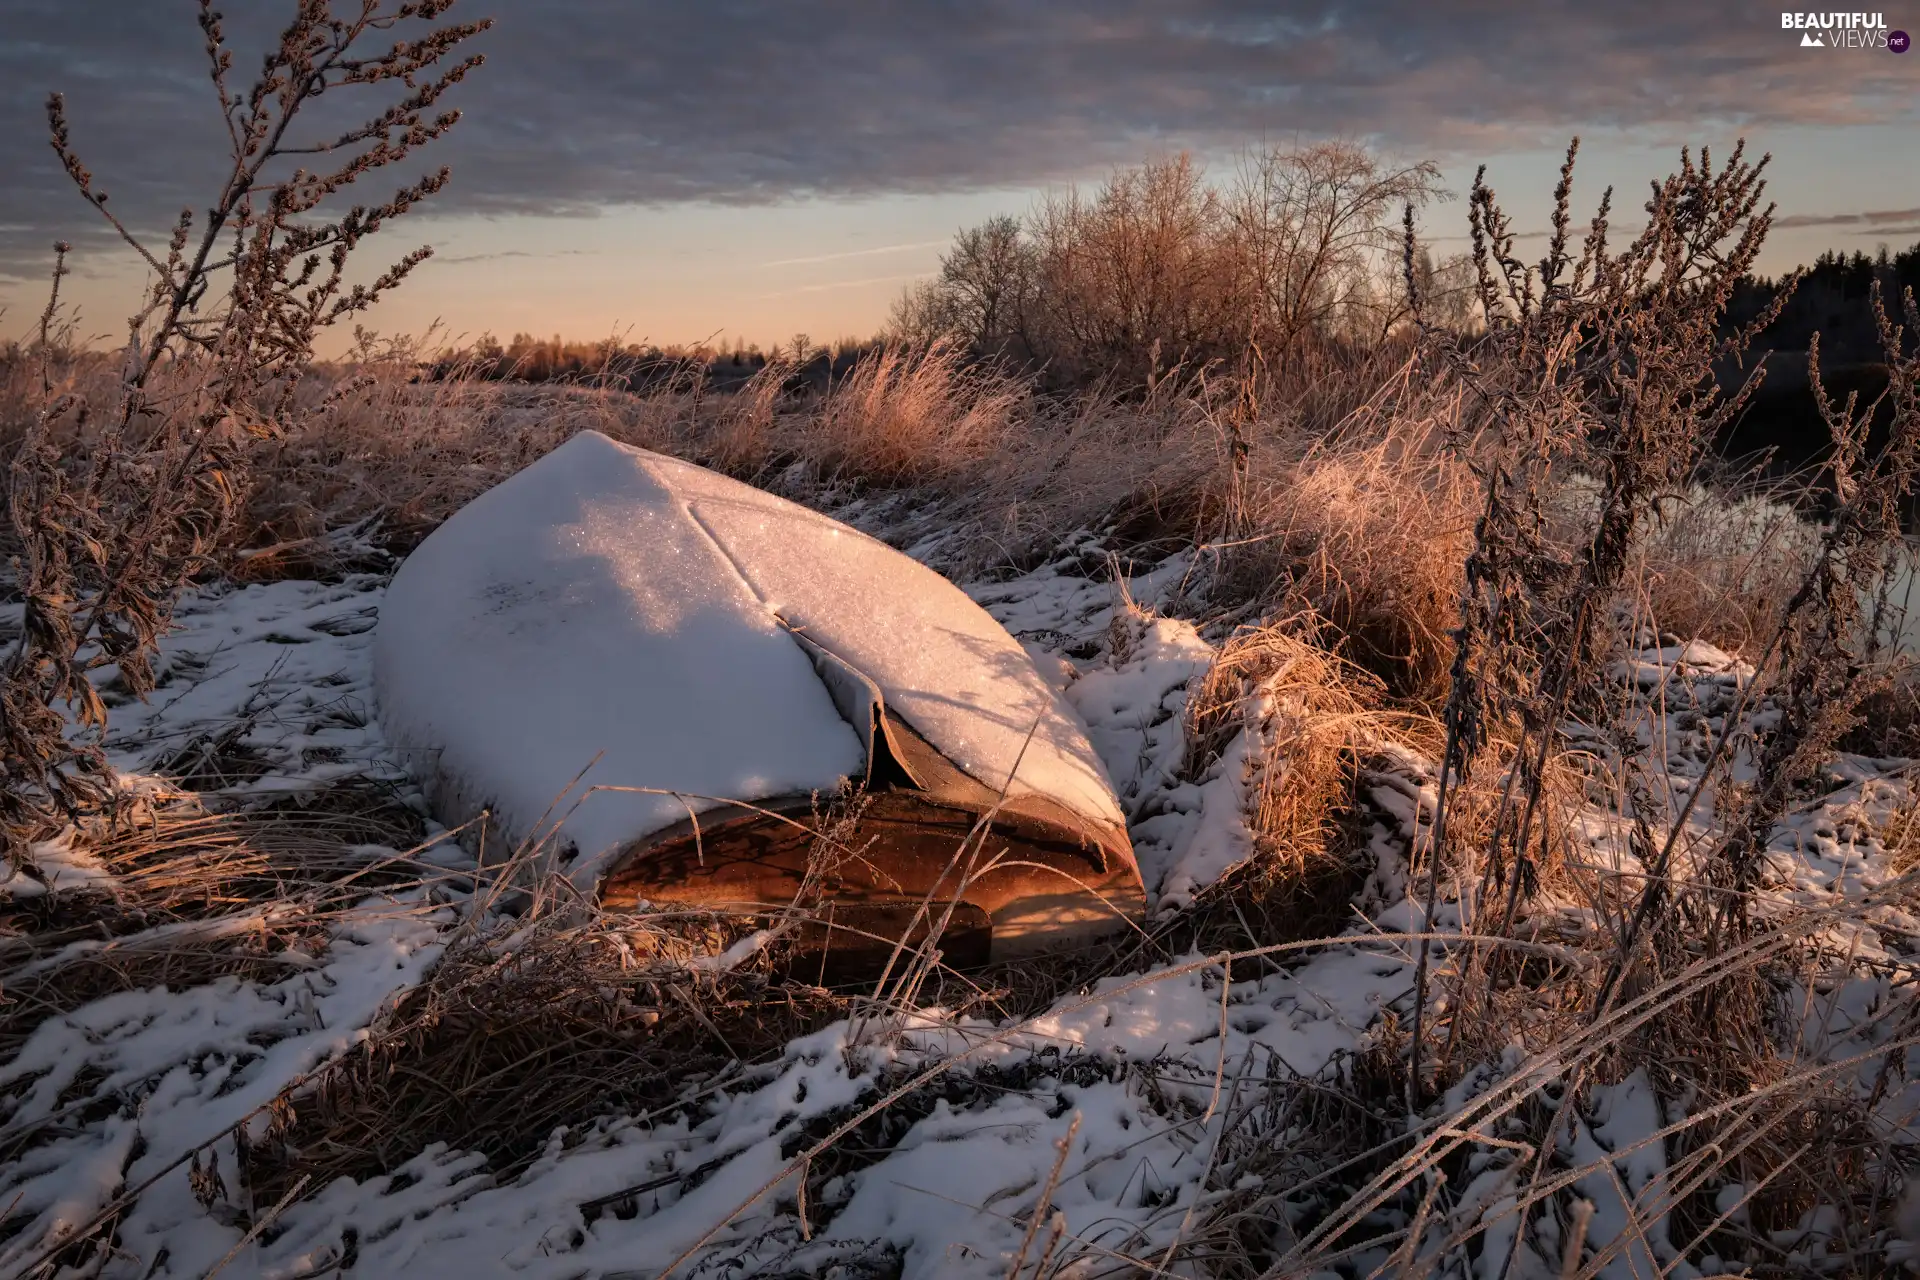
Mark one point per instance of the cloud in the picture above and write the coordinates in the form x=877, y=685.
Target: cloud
x=1518, y=237
x=605, y=102
x=1873, y=218
x=832, y=285
x=511, y=253
x=858, y=253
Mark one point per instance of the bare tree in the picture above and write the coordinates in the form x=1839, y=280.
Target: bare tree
x=1314, y=229
x=1157, y=268
x=1134, y=278
x=925, y=312
x=987, y=275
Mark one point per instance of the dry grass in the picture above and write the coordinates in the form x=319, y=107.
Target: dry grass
x=1354, y=504
x=905, y=417
x=1312, y=723
x=1368, y=531
x=1023, y=469
x=197, y=897
x=1720, y=568
x=558, y=1020
x=1313, y=718
x=173, y=858
x=408, y=454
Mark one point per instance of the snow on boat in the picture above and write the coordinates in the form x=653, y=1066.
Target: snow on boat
x=737, y=660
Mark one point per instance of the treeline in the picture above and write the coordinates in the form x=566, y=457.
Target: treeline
x=1783, y=427
x=1298, y=247
x=1297, y=250
x=1831, y=300
x=641, y=368
x=1294, y=254
x=606, y=362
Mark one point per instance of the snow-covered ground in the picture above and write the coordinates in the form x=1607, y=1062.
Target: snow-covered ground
x=1126, y=1116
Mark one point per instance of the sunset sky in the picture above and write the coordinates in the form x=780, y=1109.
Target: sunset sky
x=676, y=172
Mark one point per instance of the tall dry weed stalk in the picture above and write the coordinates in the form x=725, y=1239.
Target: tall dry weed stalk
x=1604, y=373
x=1823, y=662
x=117, y=506
x=1828, y=647
x=1601, y=362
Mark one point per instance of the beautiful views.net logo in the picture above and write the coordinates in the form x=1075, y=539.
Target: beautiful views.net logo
x=1845, y=31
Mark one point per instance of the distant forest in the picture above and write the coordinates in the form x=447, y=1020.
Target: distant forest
x=1782, y=428
x=1832, y=301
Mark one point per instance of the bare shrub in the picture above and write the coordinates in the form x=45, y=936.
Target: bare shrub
x=982, y=295
x=1312, y=227
x=1133, y=279
x=1158, y=268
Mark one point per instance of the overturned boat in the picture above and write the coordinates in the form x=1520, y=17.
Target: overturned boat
x=724, y=666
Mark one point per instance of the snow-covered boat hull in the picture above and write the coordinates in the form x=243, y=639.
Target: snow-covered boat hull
x=724, y=665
